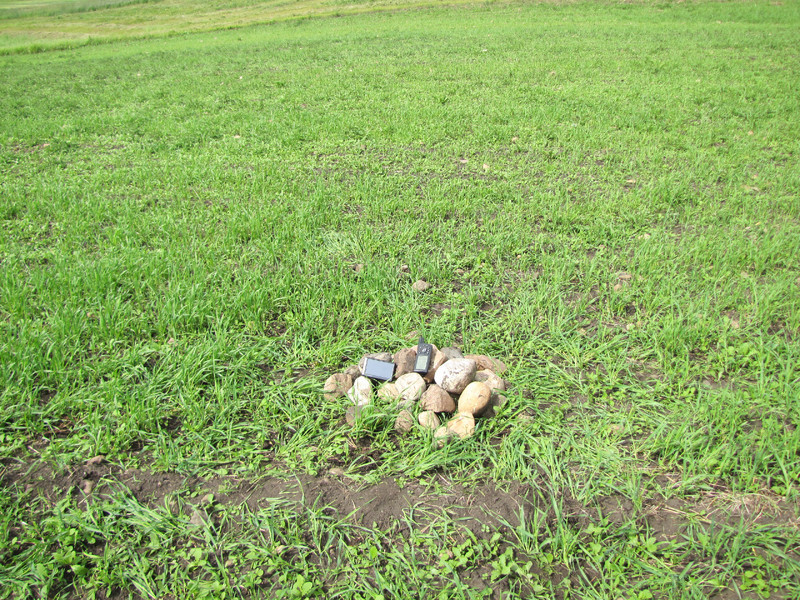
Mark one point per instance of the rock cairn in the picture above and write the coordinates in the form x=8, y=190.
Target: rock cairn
x=455, y=391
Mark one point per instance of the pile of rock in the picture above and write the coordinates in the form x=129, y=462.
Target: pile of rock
x=455, y=390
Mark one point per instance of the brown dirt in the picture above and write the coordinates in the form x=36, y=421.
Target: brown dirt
x=381, y=504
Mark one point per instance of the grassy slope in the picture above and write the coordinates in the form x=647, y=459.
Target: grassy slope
x=33, y=27
x=181, y=216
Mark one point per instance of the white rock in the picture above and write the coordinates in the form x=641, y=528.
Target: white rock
x=361, y=392
x=456, y=374
x=411, y=386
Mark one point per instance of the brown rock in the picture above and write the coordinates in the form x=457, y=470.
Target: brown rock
x=337, y=385
x=463, y=425
x=353, y=371
x=455, y=375
x=420, y=285
x=487, y=362
x=490, y=379
x=437, y=400
x=428, y=419
x=388, y=392
x=439, y=358
x=404, y=361
x=442, y=435
x=474, y=399
x=411, y=386
x=404, y=422
x=96, y=460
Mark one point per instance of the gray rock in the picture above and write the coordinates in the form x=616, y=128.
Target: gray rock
x=452, y=352
x=361, y=392
x=456, y=374
x=411, y=386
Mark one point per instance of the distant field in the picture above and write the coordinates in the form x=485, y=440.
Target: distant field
x=197, y=229
x=35, y=26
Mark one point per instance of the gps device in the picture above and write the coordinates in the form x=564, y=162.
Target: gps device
x=378, y=369
x=424, y=353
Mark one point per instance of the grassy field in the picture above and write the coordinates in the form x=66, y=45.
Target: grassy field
x=197, y=229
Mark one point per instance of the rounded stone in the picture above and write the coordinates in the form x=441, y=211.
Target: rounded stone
x=404, y=361
x=411, y=386
x=463, y=425
x=442, y=435
x=361, y=392
x=337, y=385
x=452, y=352
x=388, y=392
x=404, y=421
x=475, y=398
x=437, y=400
x=428, y=419
x=420, y=285
x=487, y=362
x=456, y=374
x=490, y=379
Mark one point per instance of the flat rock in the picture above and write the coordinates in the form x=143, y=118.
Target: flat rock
x=439, y=358
x=456, y=374
x=388, y=392
x=404, y=421
x=411, y=386
x=474, y=399
x=489, y=378
x=437, y=400
x=337, y=385
x=487, y=362
x=452, y=352
x=404, y=361
x=428, y=419
x=361, y=392
x=385, y=356
x=420, y=285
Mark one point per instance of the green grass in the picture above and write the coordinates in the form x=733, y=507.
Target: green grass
x=179, y=225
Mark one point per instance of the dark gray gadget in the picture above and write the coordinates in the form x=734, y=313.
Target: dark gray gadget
x=378, y=369
x=424, y=354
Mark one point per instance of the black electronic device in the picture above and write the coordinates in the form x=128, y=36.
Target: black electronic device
x=378, y=369
x=424, y=354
